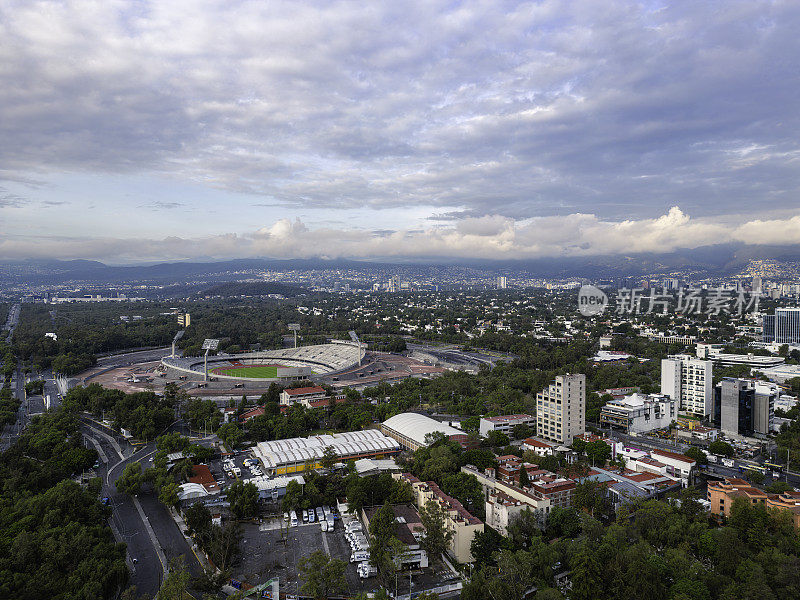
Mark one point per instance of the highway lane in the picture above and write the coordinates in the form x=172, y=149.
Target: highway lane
x=143, y=521
x=147, y=570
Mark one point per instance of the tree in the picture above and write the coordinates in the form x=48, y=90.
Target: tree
x=485, y=544
x=243, y=498
x=168, y=494
x=521, y=431
x=223, y=545
x=524, y=480
x=497, y=438
x=756, y=477
x=198, y=518
x=598, y=452
x=329, y=457
x=563, y=522
x=130, y=482
x=437, y=536
x=522, y=528
x=382, y=529
x=778, y=487
x=176, y=583
x=721, y=448
x=323, y=576
x=587, y=575
x=294, y=496
x=697, y=455
x=231, y=434
x=590, y=496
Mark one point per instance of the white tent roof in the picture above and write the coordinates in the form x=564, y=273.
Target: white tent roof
x=415, y=426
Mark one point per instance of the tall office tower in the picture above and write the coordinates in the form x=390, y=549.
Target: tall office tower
x=689, y=381
x=756, y=286
x=743, y=407
x=561, y=409
x=783, y=327
x=502, y=282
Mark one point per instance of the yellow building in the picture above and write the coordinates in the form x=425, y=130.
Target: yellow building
x=457, y=518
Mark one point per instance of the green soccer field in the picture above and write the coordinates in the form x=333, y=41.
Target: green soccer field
x=257, y=371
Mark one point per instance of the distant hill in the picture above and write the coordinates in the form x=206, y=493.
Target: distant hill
x=253, y=288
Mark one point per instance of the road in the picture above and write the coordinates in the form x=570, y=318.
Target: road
x=125, y=359
x=142, y=522
x=11, y=322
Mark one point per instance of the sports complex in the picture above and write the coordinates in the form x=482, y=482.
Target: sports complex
x=257, y=368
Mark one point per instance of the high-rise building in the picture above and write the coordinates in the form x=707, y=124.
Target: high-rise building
x=756, y=286
x=743, y=407
x=184, y=319
x=783, y=327
x=502, y=283
x=689, y=381
x=561, y=409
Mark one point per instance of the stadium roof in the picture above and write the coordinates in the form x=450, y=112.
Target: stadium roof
x=415, y=427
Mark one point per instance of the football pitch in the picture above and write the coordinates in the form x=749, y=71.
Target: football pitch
x=257, y=371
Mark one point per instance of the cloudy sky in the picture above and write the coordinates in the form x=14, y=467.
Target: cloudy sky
x=137, y=131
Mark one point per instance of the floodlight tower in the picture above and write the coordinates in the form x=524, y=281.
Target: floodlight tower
x=294, y=327
x=354, y=337
x=178, y=336
x=208, y=344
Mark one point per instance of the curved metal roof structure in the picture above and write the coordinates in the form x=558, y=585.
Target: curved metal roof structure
x=415, y=427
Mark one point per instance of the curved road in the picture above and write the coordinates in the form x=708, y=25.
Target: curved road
x=142, y=522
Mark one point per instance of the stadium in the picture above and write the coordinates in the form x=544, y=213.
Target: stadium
x=257, y=368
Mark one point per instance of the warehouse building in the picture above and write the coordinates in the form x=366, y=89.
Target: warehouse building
x=282, y=457
x=410, y=429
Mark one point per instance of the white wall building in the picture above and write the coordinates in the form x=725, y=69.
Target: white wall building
x=639, y=413
x=561, y=409
x=689, y=381
x=505, y=423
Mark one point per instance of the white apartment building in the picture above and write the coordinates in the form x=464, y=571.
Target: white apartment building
x=639, y=413
x=561, y=409
x=689, y=381
x=505, y=423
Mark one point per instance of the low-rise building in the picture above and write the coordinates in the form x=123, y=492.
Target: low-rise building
x=307, y=394
x=640, y=413
x=411, y=430
x=457, y=518
x=722, y=494
x=408, y=529
x=294, y=455
x=505, y=500
x=539, y=447
x=678, y=465
x=505, y=423
x=788, y=501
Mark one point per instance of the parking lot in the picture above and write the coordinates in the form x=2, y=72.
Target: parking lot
x=268, y=550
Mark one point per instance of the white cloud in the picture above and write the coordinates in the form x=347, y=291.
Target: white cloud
x=491, y=238
x=513, y=109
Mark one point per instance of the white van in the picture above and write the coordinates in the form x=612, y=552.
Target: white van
x=293, y=519
x=366, y=570
x=360, y=556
